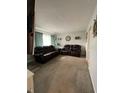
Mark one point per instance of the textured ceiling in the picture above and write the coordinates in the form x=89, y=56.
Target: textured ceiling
x=57, y=16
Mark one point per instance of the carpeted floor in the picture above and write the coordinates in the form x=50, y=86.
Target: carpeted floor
x=63, y=74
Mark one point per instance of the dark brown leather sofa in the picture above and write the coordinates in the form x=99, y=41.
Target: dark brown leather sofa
x=73, y=50
x=45, y=53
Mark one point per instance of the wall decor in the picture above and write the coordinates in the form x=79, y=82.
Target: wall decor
x=77, y=37
x=67, y=38
x=95, y=28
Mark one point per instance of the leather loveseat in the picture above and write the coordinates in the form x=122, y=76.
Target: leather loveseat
x=45, y=53
x=73, y=50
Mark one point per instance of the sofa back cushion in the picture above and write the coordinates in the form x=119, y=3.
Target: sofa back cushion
x=47, y=49
x=38, y=50
x=76, y=47
x=67, y=47
x=52, y=48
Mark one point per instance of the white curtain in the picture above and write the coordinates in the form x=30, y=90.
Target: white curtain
x=46, y=39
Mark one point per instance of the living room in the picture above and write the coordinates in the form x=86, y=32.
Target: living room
x=62, y=44
x=59, y=40
x=100, y=71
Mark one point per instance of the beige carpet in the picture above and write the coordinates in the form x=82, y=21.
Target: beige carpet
x=63, y=74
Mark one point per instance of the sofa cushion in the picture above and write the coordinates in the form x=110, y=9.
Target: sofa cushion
x=38, y=50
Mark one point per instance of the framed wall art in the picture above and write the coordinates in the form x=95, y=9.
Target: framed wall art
x=67, y=38
x=77, y=38
x=95, y=28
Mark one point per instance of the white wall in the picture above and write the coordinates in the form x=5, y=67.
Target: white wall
x=92, y=52
x=81, y=41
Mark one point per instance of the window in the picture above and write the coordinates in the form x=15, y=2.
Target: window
x=46, y=40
